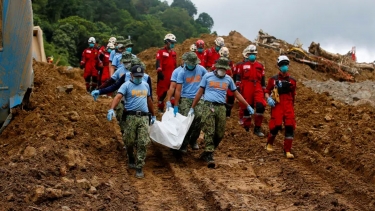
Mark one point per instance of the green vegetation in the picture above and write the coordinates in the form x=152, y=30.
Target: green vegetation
x=68, y=24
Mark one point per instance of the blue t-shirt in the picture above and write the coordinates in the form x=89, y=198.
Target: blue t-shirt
x=175, y=73
x=119, y=72
x=111, y=55
x=135, y=96
x=216, y=88
x=190, y=81
x=117, y=60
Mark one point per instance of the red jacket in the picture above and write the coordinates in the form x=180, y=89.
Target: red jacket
x=286, y=87
x=210, y=56
x=201, y=57
x=251, y=72
x=90, y=59
x=166, y=61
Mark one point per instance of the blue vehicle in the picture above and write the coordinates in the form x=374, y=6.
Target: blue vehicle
x=16, y=73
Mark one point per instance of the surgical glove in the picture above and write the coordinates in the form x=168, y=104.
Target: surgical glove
x=111, y=113
x=270, y=102
x=191, y=112
x=95, y=94
x=153, y=119
x=250, y=109
x=169, y=105
x=175, y=110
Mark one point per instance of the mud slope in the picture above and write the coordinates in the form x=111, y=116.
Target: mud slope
x=63, y=154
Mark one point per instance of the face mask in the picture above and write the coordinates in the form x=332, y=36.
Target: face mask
x=190, y=67
x=284, y=68
x=109, y=50
x=127, y=65
x=200, y=50
x=252, y=57
x=221, y=72
x=129, y=49
x=137, y=80
x=217, y=48
x=116, y=47
x=91, y=45
x=171, y=45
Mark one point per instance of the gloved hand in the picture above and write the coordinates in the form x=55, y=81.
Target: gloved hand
x=250, y=109
x=175, y=110
x=95, y=94
x=270, y=102
x=169, y=105
x=160, y=74
x=111, y=113
x=153, y=119
x=191, y=112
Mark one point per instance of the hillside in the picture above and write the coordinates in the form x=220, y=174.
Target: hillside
x=63, y=154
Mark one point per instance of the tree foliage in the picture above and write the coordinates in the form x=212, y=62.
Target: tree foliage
x=68, y=24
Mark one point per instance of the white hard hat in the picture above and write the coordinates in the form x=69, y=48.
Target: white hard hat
x=170, y=38
x=112, y=40
x=111, y=45
x=91, y=40
x=282, y=60
x=219, y=41
x=224, y=51
x=193, y=48
x=249, y=49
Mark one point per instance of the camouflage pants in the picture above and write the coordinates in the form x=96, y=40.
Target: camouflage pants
x=195, y=129
x=136, y=136
x=119, y=110
x=213, y=120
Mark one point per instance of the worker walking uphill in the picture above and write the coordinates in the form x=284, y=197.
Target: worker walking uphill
x=215, y=85
x=212, y=54
x=138, y=105
x=282, y=109
x=165, y=64
x=90, y=61
x=187, y=87
x=251, y=78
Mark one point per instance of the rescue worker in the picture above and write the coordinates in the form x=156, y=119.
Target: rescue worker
x=172, y=87
x=104, y=57
x=138, y=105
x=188, y=82
x=90, y=61
x=123, y=69
x=214, y=85
x=282, y=111
x=193, y=48
x=200, y=51
x=251, y=78
x=113, y=53
x=116, y=62
x=165, y=64
x=212, y=54
x=104, y=48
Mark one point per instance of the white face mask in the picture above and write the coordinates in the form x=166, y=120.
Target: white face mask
x=221, y=72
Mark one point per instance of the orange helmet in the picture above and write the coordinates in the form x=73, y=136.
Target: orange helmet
x=199, y=44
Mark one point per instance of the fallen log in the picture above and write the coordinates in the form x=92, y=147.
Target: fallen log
x=318, y=51
x=365, y=66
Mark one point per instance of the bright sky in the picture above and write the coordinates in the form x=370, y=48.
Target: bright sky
x=336, y=25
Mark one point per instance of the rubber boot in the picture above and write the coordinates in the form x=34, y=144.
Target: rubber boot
x=270, y=140
x=139, y=173
x=208, y=157
x=131, y=159
x=258, y=132
x=288, y=147
x=194, y=146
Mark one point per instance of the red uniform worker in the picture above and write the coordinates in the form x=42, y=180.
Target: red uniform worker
x=165, y=64
x=212, y=54
x=200, y=51
x=90, y=61
x=282, y=111
x=251, y=78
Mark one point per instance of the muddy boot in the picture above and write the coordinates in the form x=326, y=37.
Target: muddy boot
x=131, y=159
x=194, y=145
x=258, y=132
x=139, y=173
x=208, y=157
x=289, y=155
x=269, y=147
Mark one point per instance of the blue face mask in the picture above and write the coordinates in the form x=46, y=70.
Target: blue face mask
x=171, y=45
x=252, y=57
x=109, y=50
x=190, y=67
x=284, y=68
x=217, y=48
x=200, y=50
x=137, y=80
x=91, y=45
x=129, y=49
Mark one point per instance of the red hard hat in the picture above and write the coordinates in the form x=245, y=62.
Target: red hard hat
x=200, y=44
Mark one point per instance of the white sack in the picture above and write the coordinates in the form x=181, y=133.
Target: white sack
x=171, y=131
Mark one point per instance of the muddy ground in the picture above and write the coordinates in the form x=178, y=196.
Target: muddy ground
x=61, y=153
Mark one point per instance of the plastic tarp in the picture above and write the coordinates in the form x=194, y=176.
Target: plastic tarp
x=171, y=131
